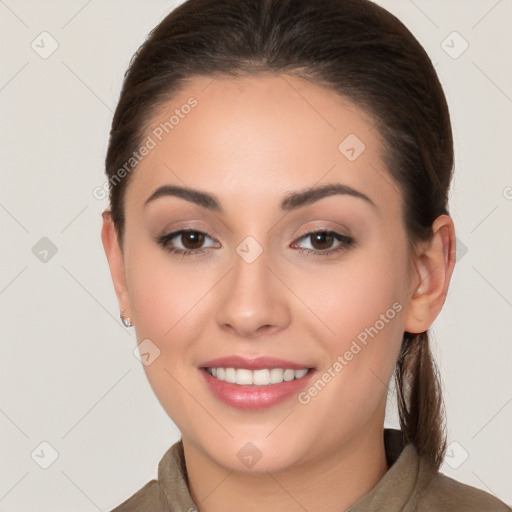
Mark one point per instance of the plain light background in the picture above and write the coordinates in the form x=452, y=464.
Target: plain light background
x=68, y=375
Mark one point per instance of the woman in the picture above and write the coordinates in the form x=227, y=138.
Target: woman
x=279, y=238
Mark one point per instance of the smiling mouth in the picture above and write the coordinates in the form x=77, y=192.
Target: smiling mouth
x=262, y=377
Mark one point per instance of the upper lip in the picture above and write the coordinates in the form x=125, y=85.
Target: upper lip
x=255, y=363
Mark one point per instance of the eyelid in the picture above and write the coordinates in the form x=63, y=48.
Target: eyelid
x=336, y=227
x=192, y=225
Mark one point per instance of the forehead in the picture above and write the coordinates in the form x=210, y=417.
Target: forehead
x=258, y=136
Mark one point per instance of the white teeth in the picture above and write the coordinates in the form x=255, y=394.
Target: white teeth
x=230, y=375
x=276, y=375
x=289, y=375
x=243, y=376
x=263, y=377
x=300, y=373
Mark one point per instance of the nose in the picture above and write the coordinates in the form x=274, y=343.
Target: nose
x=252, y=300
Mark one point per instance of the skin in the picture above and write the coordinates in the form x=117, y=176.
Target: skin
x=250, y=141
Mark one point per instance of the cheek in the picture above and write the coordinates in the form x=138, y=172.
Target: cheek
x=351, y=297
x=163, y=293
x=165, y=302
x=361, y=305
x=169, y=299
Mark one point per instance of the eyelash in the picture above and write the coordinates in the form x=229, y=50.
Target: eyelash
x=346, y=243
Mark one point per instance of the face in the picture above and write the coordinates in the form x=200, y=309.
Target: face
x=316, y=284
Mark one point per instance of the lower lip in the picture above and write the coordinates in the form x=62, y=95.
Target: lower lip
x=254, y=397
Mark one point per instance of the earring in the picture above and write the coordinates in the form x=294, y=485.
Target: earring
x=127, y=321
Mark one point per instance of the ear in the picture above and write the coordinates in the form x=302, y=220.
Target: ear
x=433, y=268
x=115, y=261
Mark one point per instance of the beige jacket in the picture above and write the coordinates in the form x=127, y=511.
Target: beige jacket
x=410, y=484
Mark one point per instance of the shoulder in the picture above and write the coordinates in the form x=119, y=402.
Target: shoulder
x=440, y=492
x=170, y=488
x=149, y=497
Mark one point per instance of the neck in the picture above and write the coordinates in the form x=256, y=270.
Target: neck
x=331, y=482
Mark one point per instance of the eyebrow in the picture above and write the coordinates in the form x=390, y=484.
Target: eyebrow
x=291, y=201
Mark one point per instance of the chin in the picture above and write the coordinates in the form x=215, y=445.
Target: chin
x=256, y=454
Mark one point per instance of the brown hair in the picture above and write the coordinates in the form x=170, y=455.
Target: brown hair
x=358, y=50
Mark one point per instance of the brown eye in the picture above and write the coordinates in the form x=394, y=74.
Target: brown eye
x=191, y=242
x=322, y=241
x=192, y=239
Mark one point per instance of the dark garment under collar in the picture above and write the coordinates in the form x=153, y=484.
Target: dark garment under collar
x=410, y=484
